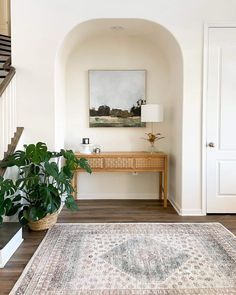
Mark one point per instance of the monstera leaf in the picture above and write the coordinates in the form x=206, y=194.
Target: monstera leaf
x=17, y=159
x=83, y=163
x=9, y=201
x=37, y=153
x=70, y=203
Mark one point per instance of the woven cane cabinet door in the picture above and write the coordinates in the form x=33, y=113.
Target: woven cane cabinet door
x=150, y=163
x=96, y=163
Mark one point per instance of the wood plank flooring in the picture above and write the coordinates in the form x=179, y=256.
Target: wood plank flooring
x=102, y=211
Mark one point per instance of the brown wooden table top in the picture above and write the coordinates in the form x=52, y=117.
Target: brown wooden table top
x=123, y=154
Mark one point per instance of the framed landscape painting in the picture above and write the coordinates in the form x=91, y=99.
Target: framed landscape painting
x=116, y=97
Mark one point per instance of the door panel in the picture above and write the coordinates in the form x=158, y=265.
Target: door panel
x=227, y=102
x=221, y=121
x=227, y=182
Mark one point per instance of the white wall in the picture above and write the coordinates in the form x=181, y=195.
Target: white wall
x=38, y=29
x=115, y=50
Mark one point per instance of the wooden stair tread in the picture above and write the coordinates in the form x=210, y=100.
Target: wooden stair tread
x=5, y=48
x=5, y=42
x=4, y=37
x=5, y=53
x=3, y=58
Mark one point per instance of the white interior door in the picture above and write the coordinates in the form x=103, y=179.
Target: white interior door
x=5, y=17
x=221, y=120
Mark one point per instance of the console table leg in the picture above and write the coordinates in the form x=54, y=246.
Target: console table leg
x=160, y=185
x=74, y=184
x=165, y=183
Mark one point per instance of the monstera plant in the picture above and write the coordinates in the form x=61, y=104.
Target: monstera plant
x=44, y=178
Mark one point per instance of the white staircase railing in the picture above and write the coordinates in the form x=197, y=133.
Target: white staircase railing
x=7, y=116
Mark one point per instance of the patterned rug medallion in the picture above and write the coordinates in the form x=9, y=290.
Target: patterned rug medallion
x=132, y=259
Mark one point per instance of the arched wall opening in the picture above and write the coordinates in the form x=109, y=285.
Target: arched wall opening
x=138, y=44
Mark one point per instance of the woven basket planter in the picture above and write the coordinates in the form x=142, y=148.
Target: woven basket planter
x=45, y=223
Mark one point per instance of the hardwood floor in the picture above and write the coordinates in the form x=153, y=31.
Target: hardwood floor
x=102, y=211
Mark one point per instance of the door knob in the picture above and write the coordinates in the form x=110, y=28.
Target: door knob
x=211, y=144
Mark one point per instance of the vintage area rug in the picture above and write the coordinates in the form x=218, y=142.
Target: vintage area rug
x=132, y=259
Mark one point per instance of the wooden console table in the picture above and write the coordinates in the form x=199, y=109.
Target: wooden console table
x=129, y=162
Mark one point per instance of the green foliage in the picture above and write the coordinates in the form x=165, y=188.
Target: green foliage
x=8, y=199
x=41, y=183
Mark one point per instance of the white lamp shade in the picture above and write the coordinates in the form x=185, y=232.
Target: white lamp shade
x=151, y=113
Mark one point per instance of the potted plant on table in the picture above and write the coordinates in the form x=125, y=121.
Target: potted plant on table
x=42, y=182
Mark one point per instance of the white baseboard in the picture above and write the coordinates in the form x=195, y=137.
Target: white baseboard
x=186, y=212
x=176, y=206
x=108, y=196
x=10, y=248
x=192, y=212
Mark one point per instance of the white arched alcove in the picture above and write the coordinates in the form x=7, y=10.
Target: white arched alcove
x=139, y=44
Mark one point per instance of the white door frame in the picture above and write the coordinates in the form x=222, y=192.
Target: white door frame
x=207, y=26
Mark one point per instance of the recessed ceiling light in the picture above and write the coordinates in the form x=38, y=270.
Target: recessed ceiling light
x=117, y=28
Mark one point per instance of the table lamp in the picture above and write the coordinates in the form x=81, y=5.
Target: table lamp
x=152, y=113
